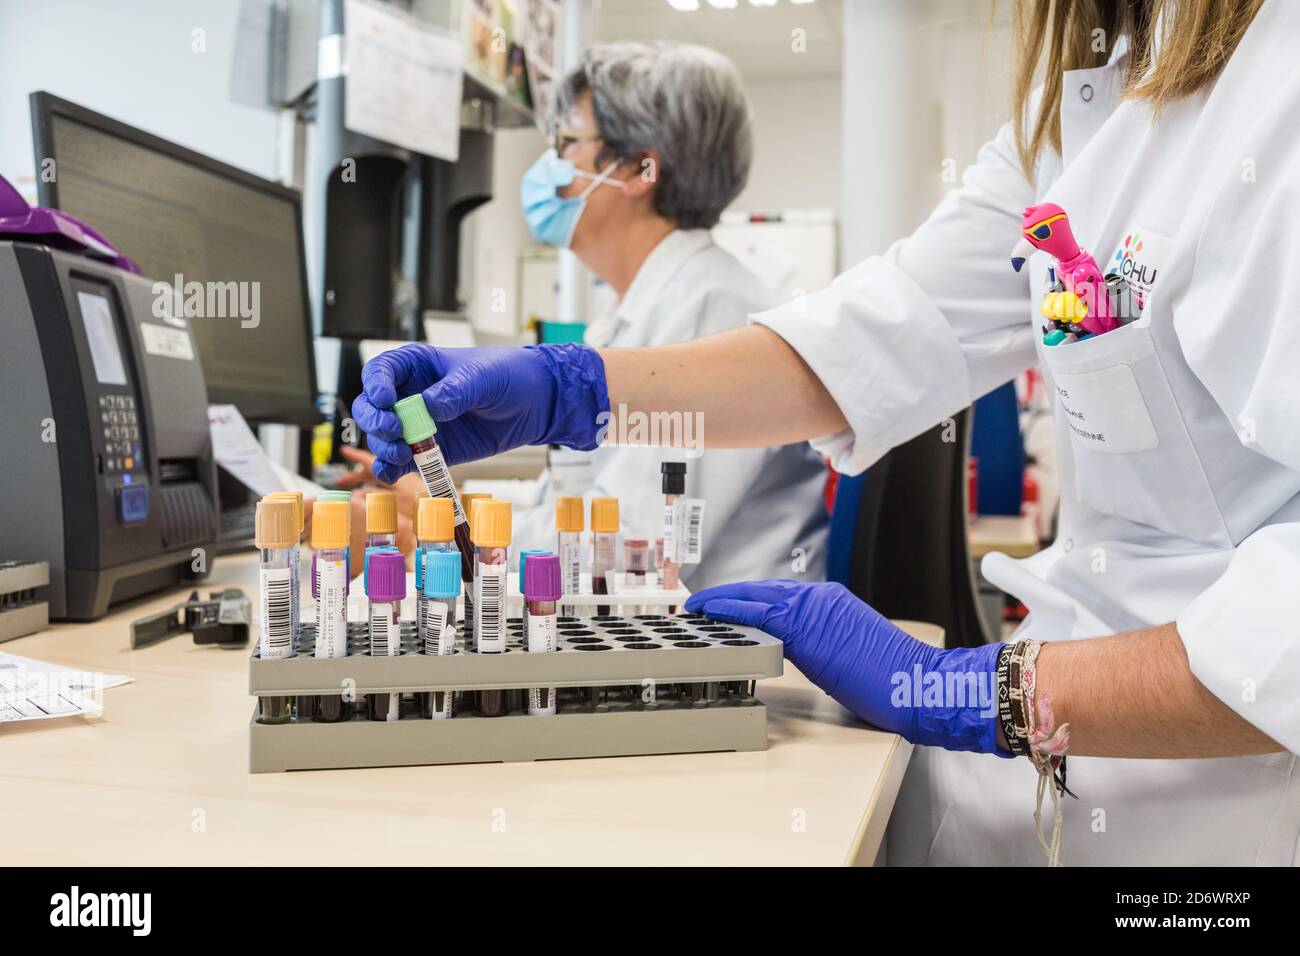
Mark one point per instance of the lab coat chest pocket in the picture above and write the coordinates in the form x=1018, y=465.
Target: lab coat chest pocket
x=1132, y=453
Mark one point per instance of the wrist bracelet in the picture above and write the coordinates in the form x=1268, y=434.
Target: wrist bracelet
x=1029, y=726
x=1015, y=744
x=1020, y=703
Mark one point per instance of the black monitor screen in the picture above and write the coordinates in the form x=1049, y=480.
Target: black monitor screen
x=226, y=245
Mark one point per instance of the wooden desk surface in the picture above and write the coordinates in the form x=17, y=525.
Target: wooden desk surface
x=1011, y=534
x=162, y=778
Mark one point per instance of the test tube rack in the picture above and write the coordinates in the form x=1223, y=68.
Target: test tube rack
x=631, y=599
x=23, y=606
x=626, y=686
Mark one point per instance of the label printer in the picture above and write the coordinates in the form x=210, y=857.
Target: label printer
x=107, y=456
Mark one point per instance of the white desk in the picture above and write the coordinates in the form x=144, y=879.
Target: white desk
x=162, y=778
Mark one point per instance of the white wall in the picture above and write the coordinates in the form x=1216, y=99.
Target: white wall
x=796, y=144
x=134, y=61
x=925, y=85
x=972, y=77
x=495, y=234
x=799, y=119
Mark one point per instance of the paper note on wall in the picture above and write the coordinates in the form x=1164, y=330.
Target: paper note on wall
x=403, y=80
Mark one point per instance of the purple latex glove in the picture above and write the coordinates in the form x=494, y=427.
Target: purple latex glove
x=484, y=401
x=941, y=698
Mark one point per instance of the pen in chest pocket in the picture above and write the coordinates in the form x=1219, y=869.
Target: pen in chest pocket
x=1083, y=302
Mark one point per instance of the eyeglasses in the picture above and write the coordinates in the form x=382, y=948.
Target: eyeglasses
x=562, y=140
x=1043, y=230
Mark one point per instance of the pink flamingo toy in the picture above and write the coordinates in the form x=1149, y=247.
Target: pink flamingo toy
x=1047, y=227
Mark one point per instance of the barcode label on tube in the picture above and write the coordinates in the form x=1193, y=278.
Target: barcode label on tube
x=541, y=701
x=543, y=633
x=571, y=559
x=694, y=537
x=542, y=637
x=489, y=594
x=384, y=639
x=331, y=608
x=439, y=633
x=672, y=536
x=277, y=614
x=467, y=618
x=444, y=706
x=437, y=479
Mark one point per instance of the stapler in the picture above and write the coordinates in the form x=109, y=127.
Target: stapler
x=222, y=619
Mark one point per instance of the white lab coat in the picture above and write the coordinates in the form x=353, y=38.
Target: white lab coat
x=1179, y=449
x=764, y=514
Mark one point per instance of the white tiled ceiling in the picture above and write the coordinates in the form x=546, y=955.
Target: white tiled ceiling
x=759, y=40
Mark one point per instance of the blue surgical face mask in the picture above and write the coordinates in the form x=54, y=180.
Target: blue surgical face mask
x=551, y=218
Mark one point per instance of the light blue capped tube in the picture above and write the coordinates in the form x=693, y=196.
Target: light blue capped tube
x=437, y=635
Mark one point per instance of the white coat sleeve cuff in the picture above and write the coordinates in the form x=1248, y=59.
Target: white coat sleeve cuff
x=884, y=352
x=1242, y=634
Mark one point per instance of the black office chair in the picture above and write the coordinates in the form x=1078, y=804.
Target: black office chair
x=910, y=556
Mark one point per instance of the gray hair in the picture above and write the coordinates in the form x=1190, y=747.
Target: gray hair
x=687, y=104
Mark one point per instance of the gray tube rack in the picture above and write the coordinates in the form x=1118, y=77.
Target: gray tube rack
x=626, y=686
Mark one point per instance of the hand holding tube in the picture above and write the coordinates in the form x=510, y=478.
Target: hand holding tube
x=941, y=698
x=485, y=400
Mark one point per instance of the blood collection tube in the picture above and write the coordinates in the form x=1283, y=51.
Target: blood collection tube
x=636, y=560
x=295, y=559
x=346, y=498
x=331, y=525
x=674, y=486
x=381, y=524
x=385, y=587
x=435, y=530
x=467, y=576
x=569, y=520
x=604, y=546
x=275, y=535
x=304, y=706
x=523, y=558
x=381, y=519
x=418, y=430
x=438, y=624
x=492, y=528
x=543, y=586
x=468, y=500
x=524, y=555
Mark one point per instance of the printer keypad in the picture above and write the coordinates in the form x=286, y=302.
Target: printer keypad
x=117, y=415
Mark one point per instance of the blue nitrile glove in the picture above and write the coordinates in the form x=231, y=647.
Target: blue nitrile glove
x=484, y=401
x=941, y=698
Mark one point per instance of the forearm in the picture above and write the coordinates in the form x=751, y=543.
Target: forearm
x=751, y=389
x=1134, y=695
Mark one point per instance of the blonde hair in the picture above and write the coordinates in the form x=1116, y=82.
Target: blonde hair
x=1196, y=38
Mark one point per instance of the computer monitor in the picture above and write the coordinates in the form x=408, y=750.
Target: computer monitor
x=176, y=212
